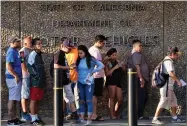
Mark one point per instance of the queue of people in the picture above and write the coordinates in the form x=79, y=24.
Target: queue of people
x=85, y=73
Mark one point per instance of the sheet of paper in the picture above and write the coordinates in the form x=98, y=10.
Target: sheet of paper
x=183, y=82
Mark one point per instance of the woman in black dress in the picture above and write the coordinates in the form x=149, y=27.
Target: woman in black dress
x=114, y=73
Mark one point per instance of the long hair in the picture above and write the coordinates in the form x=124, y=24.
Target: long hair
x=87, y=55
x=111, y=51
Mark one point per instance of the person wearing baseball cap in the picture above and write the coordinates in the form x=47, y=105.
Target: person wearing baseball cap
x=66, y=59
x=13, y=78
x=168, y=99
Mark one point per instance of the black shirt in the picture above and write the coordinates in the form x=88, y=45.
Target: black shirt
x=59, y=58
x=117, y=75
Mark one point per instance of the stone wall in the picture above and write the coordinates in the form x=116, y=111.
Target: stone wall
x=157, y=24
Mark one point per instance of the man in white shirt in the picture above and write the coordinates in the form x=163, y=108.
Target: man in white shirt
x=25, y=90
x=167, y=96
x=98, y=76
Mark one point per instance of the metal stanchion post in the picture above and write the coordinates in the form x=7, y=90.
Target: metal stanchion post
x=132, y=97
x=58, y=97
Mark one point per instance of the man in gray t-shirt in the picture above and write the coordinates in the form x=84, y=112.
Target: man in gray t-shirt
x=137, y=60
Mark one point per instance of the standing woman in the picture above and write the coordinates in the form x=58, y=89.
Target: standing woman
x=114, y=74
x=86, y=66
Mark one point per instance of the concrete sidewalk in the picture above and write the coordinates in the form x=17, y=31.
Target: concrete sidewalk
x=108, y=122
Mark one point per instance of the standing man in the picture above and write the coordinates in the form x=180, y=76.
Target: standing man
x=38, y=80
x=61, y=61
x=137, y=60
x=25, y=90
x=169, y=101
x=73, y=75
x=98, y=76
x=13, y=79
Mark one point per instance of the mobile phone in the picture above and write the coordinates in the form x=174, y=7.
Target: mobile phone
x=22, y=54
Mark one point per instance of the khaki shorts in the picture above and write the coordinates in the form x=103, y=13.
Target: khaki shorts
x=169, y=101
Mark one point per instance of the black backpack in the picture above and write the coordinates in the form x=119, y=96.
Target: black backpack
x=159, y=78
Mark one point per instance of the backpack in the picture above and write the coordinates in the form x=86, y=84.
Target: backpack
x=159, y=78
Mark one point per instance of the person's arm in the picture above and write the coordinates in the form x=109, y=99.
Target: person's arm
x=136, y=58
x=174, y=77
x=9, y=60
x=32, y=67
x=138, y=71
x=11, y=70
x=140, y=75
x=62, y=67
x=105, y=60
x=99, y=65
x=170, y=68
x=24, y=67
x=56, y=63
x=108, y=71
x=22, y=58
x=124, y=67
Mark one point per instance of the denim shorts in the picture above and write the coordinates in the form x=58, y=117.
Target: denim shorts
x=14, y=89
x=25, y=89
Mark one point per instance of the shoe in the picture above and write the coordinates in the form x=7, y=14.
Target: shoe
x=39, y=120
x=74, y=116
x=82, y=121
x=144, y=118
x=68, y=117
x=88, y=122
x=157, y=121
x=13, y=123
x=36, y=123
x=65, y=121
x=19, y=121
x=25, y=117
x=178, y=120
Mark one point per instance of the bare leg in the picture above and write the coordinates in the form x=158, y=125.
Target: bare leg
x=33, y=107
x=24, y=103
x=37, y=107
x=173, y=111
x=112, y=92
x=94, y=114
x=12, y=109
x=73, y=107
x=158, y=112
x=120, y=100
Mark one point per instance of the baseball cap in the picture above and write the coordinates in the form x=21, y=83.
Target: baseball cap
x=67, y=43
x=11, y=39
x=174, y=50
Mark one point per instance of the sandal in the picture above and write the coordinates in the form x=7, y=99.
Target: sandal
x=99, y=118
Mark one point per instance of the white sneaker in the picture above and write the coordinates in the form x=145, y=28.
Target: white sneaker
x=157, y=121
x=83, y=121
x=88, y=122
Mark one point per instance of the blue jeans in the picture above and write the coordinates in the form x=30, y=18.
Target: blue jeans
x=85, y=98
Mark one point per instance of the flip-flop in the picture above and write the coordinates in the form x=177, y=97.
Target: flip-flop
x=98, y=119
x=115, y=118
